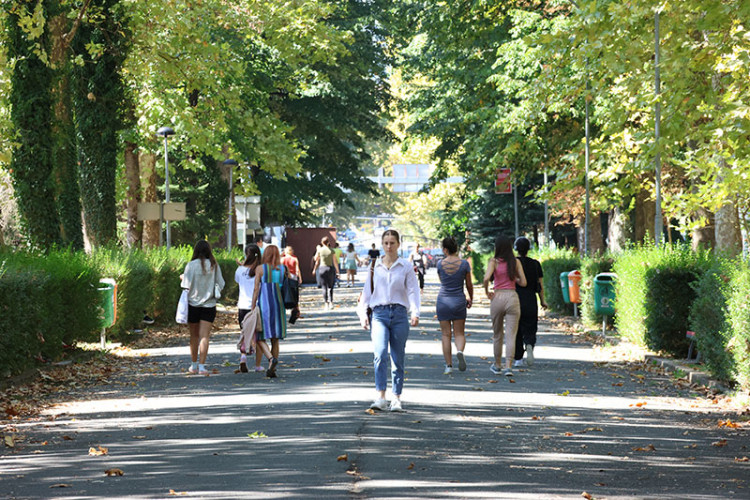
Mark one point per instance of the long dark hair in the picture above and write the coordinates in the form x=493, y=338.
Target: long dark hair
x=203, y=252
x=504, y=252
x=252, y=258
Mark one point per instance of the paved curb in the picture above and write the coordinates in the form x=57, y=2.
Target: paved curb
x=692, y=374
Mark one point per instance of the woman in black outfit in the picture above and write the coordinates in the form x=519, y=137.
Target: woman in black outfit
x=527, y=325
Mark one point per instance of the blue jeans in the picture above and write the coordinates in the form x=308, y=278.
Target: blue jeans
x=390, y=325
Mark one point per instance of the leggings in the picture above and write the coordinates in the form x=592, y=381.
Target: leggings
x=327, y=282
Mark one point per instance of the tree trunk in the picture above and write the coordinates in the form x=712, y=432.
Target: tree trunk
x=705, y=236
x=151, y=228
x=619, y=230
x=134, y=231
x=727, y=229
x=645, y=214
x=596, y=238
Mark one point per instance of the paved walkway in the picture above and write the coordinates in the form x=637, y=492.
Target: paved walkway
x=574, y=423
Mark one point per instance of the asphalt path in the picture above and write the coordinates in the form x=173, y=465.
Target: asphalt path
x=579, y=422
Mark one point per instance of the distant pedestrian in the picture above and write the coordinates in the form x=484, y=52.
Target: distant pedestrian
x=454, y=273
x=259, y=241
x=327, y=267
x=244, y=276
x=528, y=323
x=202, y=279
x=339, y=253
x=373, y=253
x=351, y=261
x=505, y=270
x=291, y=262
x=267, y=296
x=391, y=291
x=417, y=259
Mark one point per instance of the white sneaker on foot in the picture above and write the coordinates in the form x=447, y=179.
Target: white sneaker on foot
x=518, y=363
x=529, y=354
x=448, y=370
x=461, y=361
x=396, y=405
x=378, y=404
x=508, y=372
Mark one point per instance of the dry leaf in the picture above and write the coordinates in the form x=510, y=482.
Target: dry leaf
x=68, y=438
x=586, y=495
x=568, y=434
x=352, y=472
x=593, y=429
x=139, y=437
x=536, y=417
x=114, y=472
x=719, y=443
x=343, y=458
x=9, y=442
x=370, y=411
x=618, y=384
x=94, y=452
x=60, y=485
x=175, y=493
x=729, y=423
x=492, y=381
x=650, y=447
x=743, y=459
x=410, y=466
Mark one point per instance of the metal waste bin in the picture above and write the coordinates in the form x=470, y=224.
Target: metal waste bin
x=107, y=306
x=564, y=286
x=574, y=286
x=604, y=294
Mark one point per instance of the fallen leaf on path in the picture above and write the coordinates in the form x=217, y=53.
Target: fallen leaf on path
x=9, y=441
x=586, y=495
x=370, y=411
x=114, y=472
x=638, y=404
x=97, y=452
x=694, y=445
x=572, y=415
x=592, y=429
x=175, y=493
x=257, y=435
x=729, y=423
x=568, y=434
x=536, y=417
x=139, y=437
x=68, y=438
x=410, y=466
x=343, y=458
x=743, y=459
x=492, y=381
x=650, y=447
x=719, y=443
x=618, y=384
x=564, y=393
x=60, y=485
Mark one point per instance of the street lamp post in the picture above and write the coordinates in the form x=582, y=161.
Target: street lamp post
x=658, y=229
x=166, y=132
x=231, y=164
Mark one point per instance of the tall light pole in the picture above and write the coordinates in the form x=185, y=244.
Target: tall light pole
x=231, y=164
x=166, y=132
x=657, y=125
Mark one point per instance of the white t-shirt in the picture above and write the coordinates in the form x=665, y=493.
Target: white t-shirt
x=247, y=284
x=200, y=283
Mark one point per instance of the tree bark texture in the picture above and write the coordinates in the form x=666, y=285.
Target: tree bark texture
x=134, y=231
x=705, y=236
x=620, y=230
x=596, y=238
x=727, y=229
x=645, y=213
x=151, y=228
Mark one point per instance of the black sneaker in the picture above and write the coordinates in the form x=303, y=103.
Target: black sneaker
x=147, y=320
x=271, y=372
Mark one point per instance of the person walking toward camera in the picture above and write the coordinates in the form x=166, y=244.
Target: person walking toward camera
x=417, y=259
x=505, y=271
x=529, y=320
x=203, y=280
x=454, y=273
x=291, y=262
x=391, y=292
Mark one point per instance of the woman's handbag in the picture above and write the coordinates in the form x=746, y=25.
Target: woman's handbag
x=217, y=289
x=372, y=289
x=181, y=316
x=289, y=291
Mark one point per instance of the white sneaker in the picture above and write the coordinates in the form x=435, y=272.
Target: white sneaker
x=378, y=404
x=529, y=354
x=508, y=372
x=518, y=363
x=396, y=405
x=448, y=370
x=461, y=361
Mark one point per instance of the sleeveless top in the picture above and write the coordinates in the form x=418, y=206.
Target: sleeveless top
x=502, y=280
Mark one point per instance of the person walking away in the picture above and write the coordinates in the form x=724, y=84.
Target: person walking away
x=417, y=260
x=373, y=253
x=328, y=268
x=244, y=276
x=505, y=270
x=291, y=262
x=454, y=273
x=202, y=279
x=339, y=253
x=267, y=296
x=391, y=291
x=351, y=261
x=528, y=323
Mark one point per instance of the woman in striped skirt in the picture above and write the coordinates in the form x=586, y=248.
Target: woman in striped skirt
x=267, y=296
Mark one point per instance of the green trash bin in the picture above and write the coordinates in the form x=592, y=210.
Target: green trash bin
x=564, y=286
x=604, y=294
x=107, y=302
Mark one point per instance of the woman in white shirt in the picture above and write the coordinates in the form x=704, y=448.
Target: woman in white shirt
x=202, y=279
x=391, y=290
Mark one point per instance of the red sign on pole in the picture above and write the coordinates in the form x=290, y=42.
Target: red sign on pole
x=502, y=181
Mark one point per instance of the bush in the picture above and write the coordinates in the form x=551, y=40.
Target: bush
x=654, y=294
x=738, y=333
x=590, y=267
x=553, y=263
x=478, y=263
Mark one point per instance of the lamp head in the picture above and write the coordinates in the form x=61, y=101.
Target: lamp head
x=230, y=162
x=164, y=132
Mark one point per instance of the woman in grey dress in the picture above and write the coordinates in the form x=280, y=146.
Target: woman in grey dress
x=452, y=303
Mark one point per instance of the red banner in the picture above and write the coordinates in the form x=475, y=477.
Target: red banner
x=502, y=181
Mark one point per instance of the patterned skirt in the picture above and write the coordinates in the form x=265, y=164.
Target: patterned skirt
x=272, y=312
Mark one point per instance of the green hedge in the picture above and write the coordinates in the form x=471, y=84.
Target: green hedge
x=553, y=263
x=654, y=294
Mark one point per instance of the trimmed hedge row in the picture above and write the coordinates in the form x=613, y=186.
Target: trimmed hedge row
x=555, y=262
x=50, y=301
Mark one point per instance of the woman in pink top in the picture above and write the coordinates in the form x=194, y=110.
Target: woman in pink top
x=505, y=270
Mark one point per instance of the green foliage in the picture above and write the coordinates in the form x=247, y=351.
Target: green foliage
x=654, y=294
x=553, y=263
x=48, y=302
x=590, y=267
x=478, y=265
x=738, y=335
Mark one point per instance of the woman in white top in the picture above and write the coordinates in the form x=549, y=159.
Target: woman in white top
x=245, y=278
x=351, y=261
x=202, y=278
x=391, y=290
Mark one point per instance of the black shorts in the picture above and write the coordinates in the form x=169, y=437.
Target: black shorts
x=241, y=315
x=198, y=314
